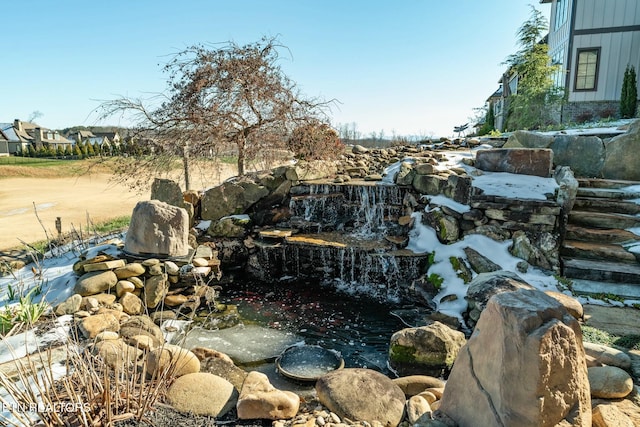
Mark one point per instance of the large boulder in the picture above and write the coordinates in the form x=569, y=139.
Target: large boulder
x=173, y=359
x=253, y=192
x=260, y=400
x=158, y=228
x=431, y=349
x=223, y=200
x=528, y=139
x=168, y=191
x=609, y=382
x=310, y=170
x=523, y=366
x=230, y=198
x=607, y=355
x=623, y=155
x=486, y=285
x=583, y=154
x=523, y=161
x=573, y=306
x=362, y=395
x=429, y=184
x=189, y=394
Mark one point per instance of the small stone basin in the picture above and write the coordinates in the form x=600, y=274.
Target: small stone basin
x=308, y=362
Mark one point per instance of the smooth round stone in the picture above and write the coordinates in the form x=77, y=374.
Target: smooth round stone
x=124, y=286
x=171, y=268
x=156, y=270
x=200, y=262
x=150, y=262
x=609, y=382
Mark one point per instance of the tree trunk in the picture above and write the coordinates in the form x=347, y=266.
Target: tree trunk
x=241, y=157
x=186, y=166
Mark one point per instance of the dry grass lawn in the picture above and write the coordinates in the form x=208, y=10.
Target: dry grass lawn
x=79, y=192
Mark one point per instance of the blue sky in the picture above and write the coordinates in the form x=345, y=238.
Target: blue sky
x=405, y=67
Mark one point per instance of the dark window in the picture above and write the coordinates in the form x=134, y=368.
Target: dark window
x=587, y=69
x=561, y=13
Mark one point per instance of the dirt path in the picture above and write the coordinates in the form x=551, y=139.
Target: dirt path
x=73, y=199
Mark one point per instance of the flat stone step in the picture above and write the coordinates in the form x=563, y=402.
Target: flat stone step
x=594, y=204
x=593, y=287
x=275, y=234
x=602, y=271
x=317, y=196
x=597, y=251
x=601, y=235
x=340, y=241
x=605, y=183
x=618, y=321
x=610, y=193
x=604, y=220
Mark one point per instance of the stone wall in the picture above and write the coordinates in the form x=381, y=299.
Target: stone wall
x=611, y=156
x=534, y=225
x=580, y=112
x=266, y=199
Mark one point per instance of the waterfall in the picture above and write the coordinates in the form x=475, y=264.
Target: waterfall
x=365, y=210
x=374, y=268
x=343, y=241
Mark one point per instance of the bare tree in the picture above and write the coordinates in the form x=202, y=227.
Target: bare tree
x=221, y=96
x=35, y=115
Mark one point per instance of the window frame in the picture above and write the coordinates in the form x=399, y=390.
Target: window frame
x=560, y=17
x=597, y=69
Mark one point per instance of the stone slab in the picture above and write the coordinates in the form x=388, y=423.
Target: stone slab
x=619, y=321
x=522, y=161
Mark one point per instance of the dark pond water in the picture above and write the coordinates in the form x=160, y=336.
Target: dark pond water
x=355, y=326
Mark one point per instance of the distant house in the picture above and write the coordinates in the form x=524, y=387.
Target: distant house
x=593, y=41
x=80, y=135
x=105, y=140
x=113, y=138
x=18, y=140
x=508, y=84
x=4, y=144
x=20, y=135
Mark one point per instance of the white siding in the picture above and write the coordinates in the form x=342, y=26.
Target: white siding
x=607, y=13
x=559, y=39
x=617, y=49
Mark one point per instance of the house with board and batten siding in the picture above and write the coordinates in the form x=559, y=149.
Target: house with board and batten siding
x=593, y=42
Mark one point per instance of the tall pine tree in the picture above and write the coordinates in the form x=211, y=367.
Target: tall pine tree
x=537, y=99
x=629, y=94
